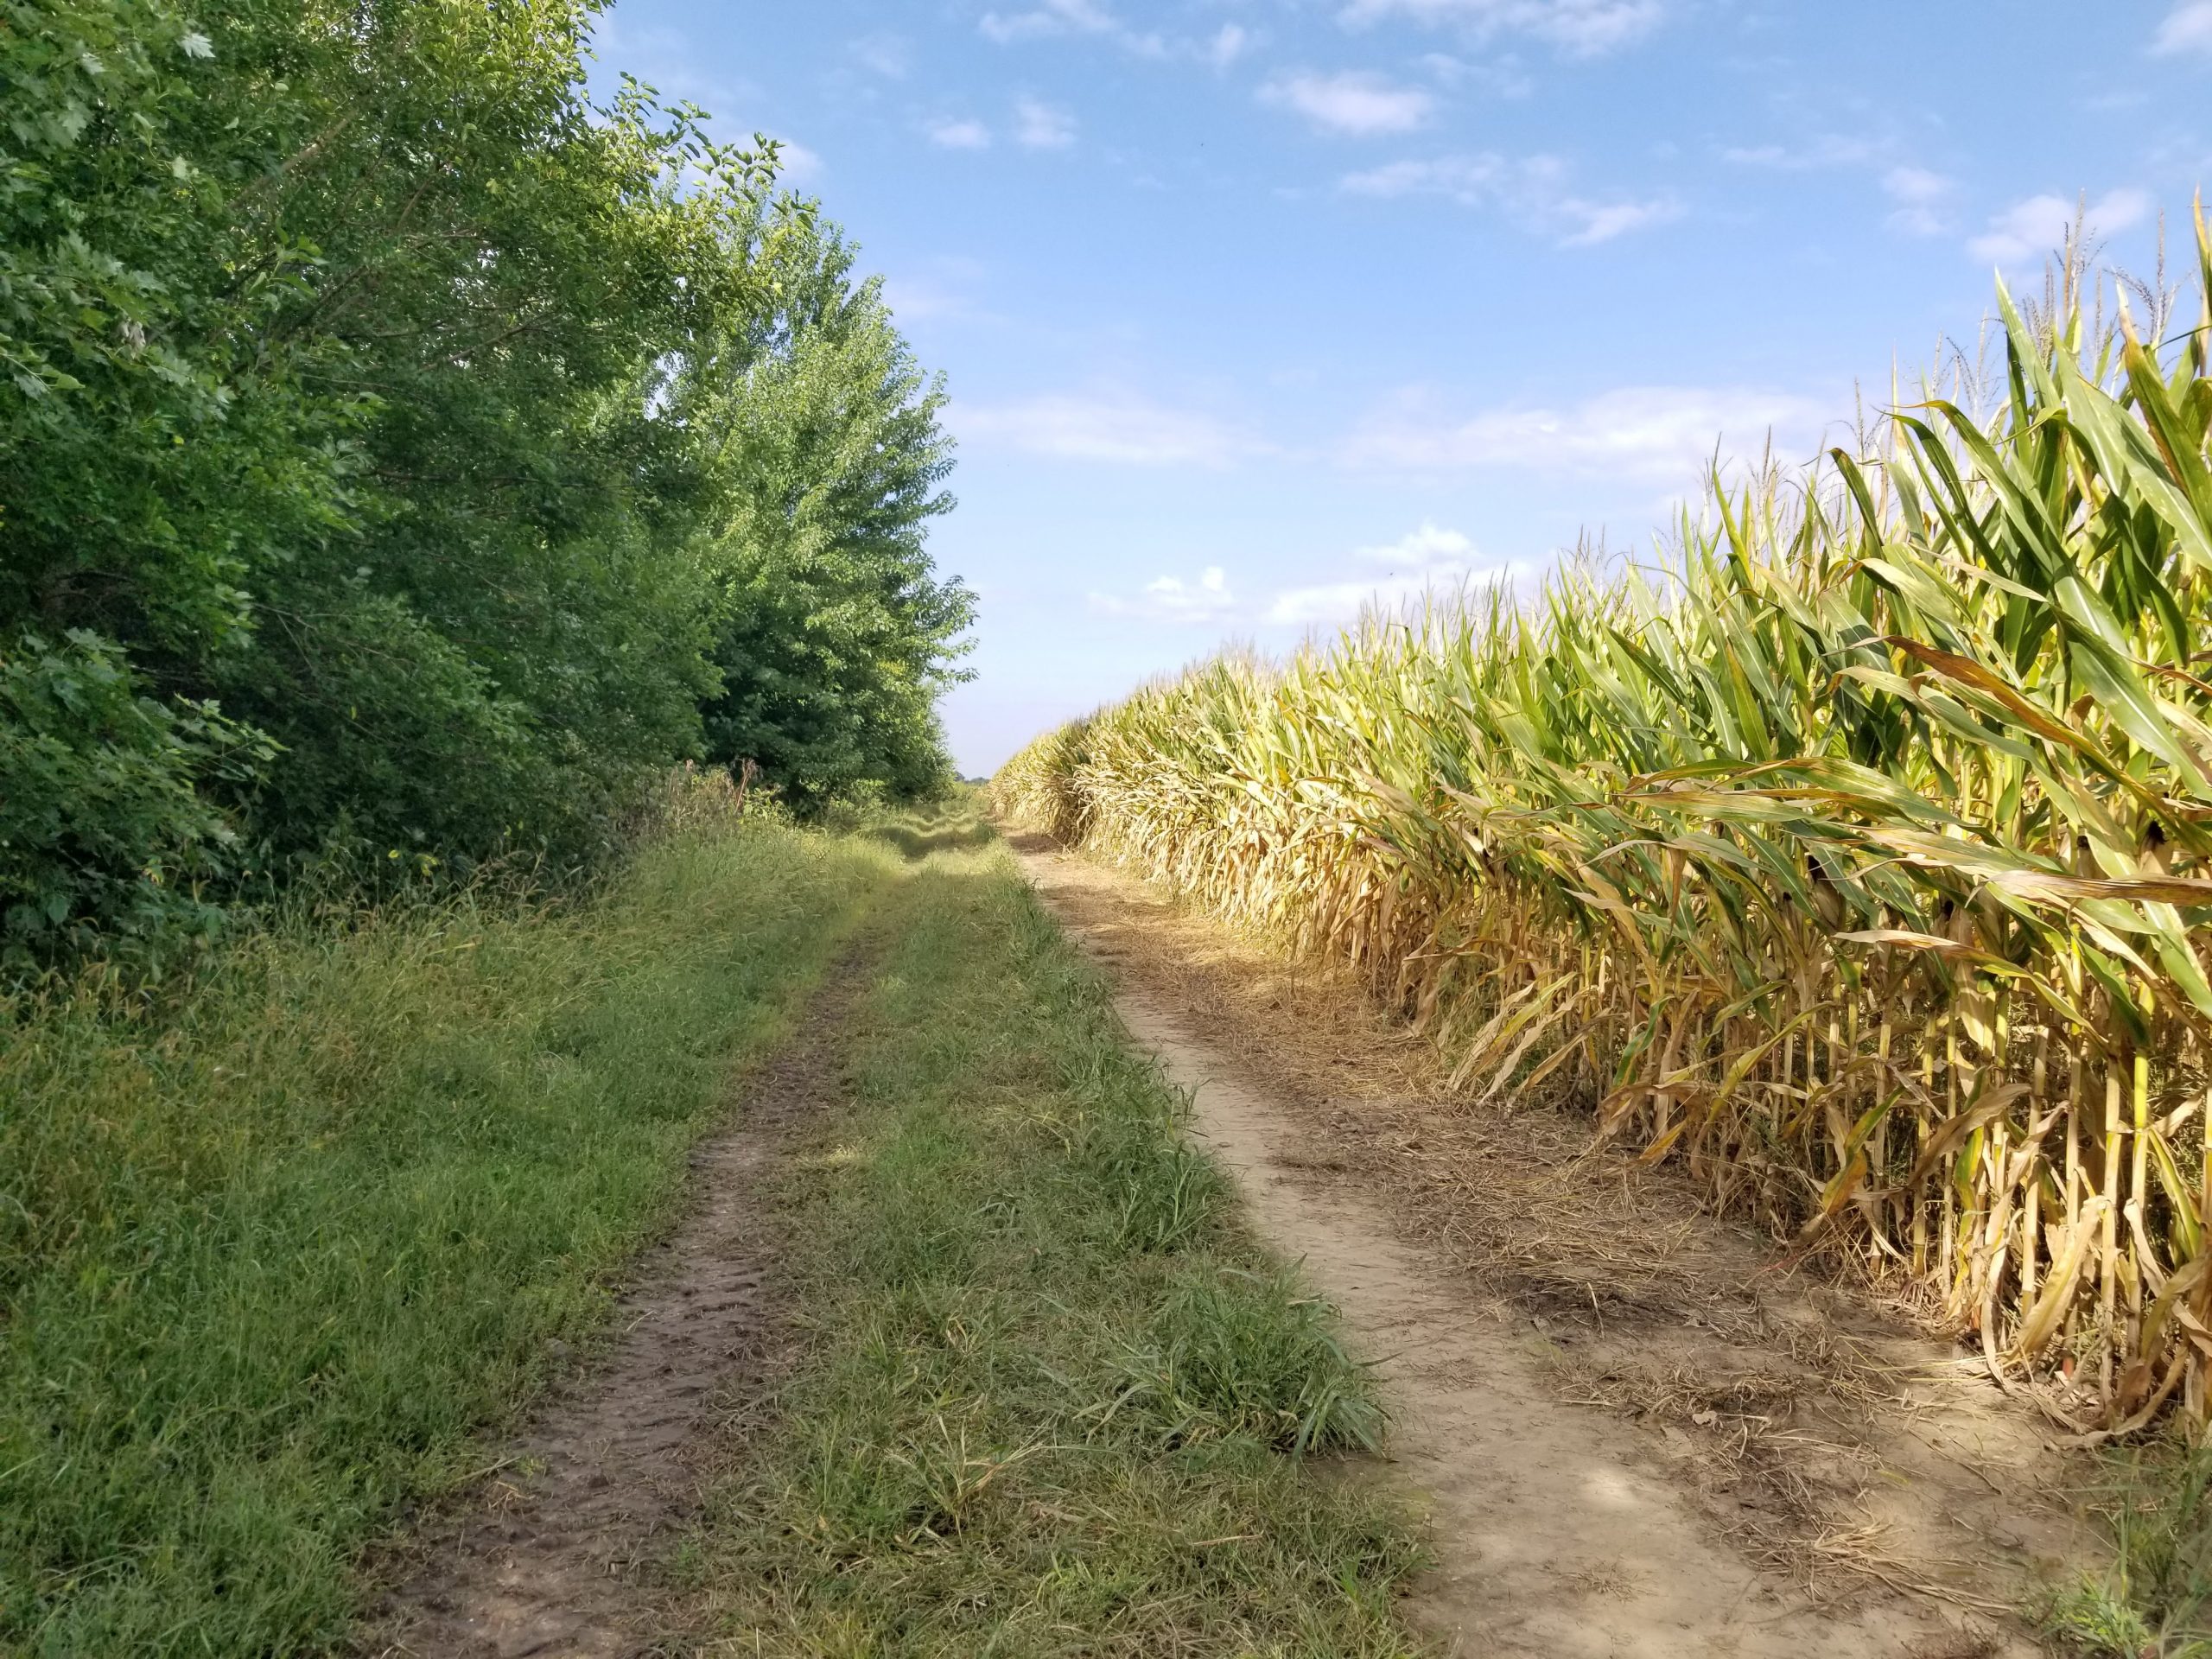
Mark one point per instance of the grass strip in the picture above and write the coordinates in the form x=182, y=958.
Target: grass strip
x=1054, y=1398
x=2154, y=1600
x=279, y=1260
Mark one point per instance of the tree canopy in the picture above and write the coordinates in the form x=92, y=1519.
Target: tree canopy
x=403, y=455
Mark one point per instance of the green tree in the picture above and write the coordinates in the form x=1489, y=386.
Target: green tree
x=824, y=459
x=425, y=453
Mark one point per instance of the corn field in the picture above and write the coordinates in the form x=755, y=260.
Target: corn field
x=1856, y=853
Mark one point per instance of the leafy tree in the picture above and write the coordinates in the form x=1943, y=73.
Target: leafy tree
x=824, y=459
x=398, y=450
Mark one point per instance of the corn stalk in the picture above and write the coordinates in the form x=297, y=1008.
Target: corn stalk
x=1857, y=854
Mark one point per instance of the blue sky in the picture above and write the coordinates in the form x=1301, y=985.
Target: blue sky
x=1251, y=309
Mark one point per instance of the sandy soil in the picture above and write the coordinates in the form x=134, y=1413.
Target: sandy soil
x=558, y=1554
x=1639, y=1434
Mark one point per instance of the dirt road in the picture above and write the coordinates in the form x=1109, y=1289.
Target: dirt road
x=1637, y=1437
x=557, y=1556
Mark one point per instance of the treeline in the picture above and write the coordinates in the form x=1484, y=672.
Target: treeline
x=403, y=456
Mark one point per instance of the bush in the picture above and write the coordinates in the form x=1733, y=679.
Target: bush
x=105, y=833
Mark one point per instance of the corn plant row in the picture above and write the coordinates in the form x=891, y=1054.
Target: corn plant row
x=1857, y=853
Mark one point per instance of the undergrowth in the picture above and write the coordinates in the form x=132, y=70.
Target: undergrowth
x=1055, y=1400
x=277, y=1256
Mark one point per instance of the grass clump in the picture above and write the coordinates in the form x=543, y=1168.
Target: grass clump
x=275, y=1260
x=1054, y=1393
x=1235, y=1352
x=2154, y=1601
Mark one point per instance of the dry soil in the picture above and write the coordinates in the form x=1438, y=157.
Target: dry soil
x=1638, y=1432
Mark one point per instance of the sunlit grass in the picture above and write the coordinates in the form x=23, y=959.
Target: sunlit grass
x=279, y=1254
x=1056, y=1401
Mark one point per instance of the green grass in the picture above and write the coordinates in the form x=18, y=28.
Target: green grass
x=2155, y=1599
x=284, y=1256
x=1054, y=1400
x=279, y=1260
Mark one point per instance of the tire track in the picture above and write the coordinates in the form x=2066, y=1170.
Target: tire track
x=558, y=1558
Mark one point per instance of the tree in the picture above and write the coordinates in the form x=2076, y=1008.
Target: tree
x=823, y=461
x=398, y=451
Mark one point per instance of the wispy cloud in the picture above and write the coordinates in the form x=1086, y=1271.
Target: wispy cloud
x=800, y=164
x=1923, y=198
x=2030, y=230
x=1170, y=599
x=958, y=135
x=912, y=300
x=1230, y=42
x=1094, y=19
x=673, y=63
x=1120, y=428
x=940, y=287
x=1923, y=201
x=1578, y=28
x=1042, y=126
x=1427, y=547
x=1360, y=105
x=2187, y=27
x=1053, y=17
x=1824, y=149
x=884, y=55
x=1501, y=76
x=1534, y=190
x=1427, y=559
x=1664, y=437
x=1338, y=602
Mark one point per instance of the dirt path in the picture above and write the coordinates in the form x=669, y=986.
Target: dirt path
x=556, y=1555
x=1638, y=1438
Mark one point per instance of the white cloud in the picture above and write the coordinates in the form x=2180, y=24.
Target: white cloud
x=1042, y=126
x=2030, y=229
x=797, y=162
x=1916, y=186
x=1923, y=201
x=1170, y=599
x=942, y=286
x=1053, y=17
x=1501, y=76
x=1362, y=104
x=886, y=54
x=1428, y=546
x=1923, y=198
x=1340, y=602
x=1659, y=436
x=917, y=299
x=910, y=301
x=1589, y=223
x=1827, y=149
x=1427, y=560
x=1533, y=189
x=1579, y=27
x=1113, y=427
x=1071, y=17
x=958, y=135
x=2187, y=27
x=1094, y=19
